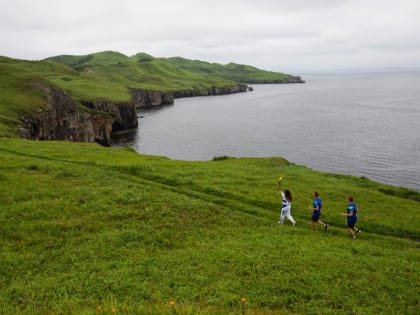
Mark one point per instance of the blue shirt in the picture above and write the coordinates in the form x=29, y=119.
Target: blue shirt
x=317, y=203
x=352, y=208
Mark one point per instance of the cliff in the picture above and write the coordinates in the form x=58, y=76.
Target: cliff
x=62, y=119
x=148, y=98
x=124, y=114
x=229, y=89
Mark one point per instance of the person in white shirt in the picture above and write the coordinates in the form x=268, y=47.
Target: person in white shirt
x=286, y=205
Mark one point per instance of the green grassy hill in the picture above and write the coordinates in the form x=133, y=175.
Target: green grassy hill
x=88, y=230
x=100, y=58
x=231, y=71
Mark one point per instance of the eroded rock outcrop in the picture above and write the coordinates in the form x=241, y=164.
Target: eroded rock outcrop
x=124, y=114
x=62, y=119
x=148, y=98
x=229, y=89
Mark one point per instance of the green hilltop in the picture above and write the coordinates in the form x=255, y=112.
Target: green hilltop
x=93, y=230
x=230, y=71
x=97, y=59
x=233, y=71
x=139, y=71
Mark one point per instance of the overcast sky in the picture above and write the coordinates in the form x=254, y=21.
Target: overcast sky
x=293, y=36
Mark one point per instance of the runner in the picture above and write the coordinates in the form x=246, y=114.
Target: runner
x=351, y=217
x=316, y=214
x=286, y=205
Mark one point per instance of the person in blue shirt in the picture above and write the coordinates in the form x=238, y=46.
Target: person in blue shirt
x=351, y=215
x=316, y=212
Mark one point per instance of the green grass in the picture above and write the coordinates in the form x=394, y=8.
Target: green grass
x=100, y=58
x=139, y=71
x=84, y=226
x=230, y=71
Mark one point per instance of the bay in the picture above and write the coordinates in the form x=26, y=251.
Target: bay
x=360, y=124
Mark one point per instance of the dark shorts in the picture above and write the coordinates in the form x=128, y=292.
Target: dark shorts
x=351, y=222
x=315, y=216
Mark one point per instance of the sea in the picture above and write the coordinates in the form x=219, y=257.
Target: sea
x=363, y=124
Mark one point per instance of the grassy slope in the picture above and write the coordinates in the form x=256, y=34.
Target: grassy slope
x=231, y=71
x=84, y=226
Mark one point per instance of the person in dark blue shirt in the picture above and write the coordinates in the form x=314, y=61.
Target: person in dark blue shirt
x=351, y=215
x=316, y=212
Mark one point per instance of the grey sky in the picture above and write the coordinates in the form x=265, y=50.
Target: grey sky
x=293, y=36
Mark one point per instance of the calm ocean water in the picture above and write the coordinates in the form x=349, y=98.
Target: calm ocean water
x=360, y=124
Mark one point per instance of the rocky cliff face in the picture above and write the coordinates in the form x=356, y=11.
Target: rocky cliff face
x=148, y=98
x=124, y=114
x=212, y=91
x=61, y=119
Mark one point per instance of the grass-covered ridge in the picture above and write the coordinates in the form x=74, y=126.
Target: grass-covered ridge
x=84, y=226
x=231, y=71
